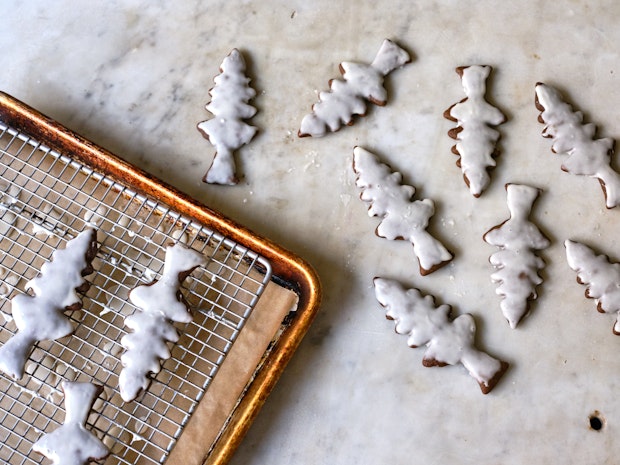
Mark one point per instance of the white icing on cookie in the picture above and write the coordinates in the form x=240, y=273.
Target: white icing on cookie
x=347, y=98
x=476, y=138
x=403, y=218
x=447, y=341
x=516, y=263
x=229, y=105
x=160, y=302
x=40, y=317
x=72, y=443
x=575, y=139
x=599, y=275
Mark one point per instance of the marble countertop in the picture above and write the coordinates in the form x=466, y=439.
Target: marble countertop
x=133, y=76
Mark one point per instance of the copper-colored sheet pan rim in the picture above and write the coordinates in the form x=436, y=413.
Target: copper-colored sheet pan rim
x=285, y=265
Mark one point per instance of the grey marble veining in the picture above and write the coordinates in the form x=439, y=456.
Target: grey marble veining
x=134, y=77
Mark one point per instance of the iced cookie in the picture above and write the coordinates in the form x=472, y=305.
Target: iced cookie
x=227, y=131
x=448, y=341
x=402, y=217
x=476, y=144
x=584, y=154
x=40, y=316
x=160, y=303
x=599, y=275
x=72, y=443
x=347, y=98
x=516, y=262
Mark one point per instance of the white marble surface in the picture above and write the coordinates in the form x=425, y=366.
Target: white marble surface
x=133, y=76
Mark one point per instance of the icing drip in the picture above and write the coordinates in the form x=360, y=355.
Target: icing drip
x=160, y=303
x=40, y=317
x=476, y=139
x=601, y=277
x=516, y=263
x=448, y=342
x=9, y=194
x=575, y=139
x=72, y=443
x=229, y=106
x=403, y=218
x=48, y=221
x=347, y=98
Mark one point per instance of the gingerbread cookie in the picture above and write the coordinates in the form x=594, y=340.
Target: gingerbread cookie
x=584, y=154
x=347, y=98
x=476, y=139
x=448, y=341
x=402, y=217
x=72, y=443
x=40, y=316
x=516, y=262
x=160, y=302
x=600, y=276
x=227, y=131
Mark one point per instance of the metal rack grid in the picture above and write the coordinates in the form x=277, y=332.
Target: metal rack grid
x=45, y=200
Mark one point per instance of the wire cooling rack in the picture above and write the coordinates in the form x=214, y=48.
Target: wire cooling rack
x=46, y=198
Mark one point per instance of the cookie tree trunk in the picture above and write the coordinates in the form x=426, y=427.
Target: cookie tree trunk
x=72, y=443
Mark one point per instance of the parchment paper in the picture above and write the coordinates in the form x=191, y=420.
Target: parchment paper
x=232, y=377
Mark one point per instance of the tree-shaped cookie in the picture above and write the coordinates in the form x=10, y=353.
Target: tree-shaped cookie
x=72, y=443
x=347, y=98
x=584, y=153
x=226, y=130
x=516, y=262
x=474, y=133
x=600, y=276
x=402, y=217
x=160, y=303
x=448, y=341
x=40, y=316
